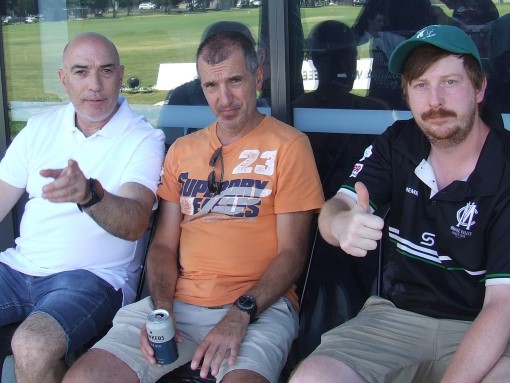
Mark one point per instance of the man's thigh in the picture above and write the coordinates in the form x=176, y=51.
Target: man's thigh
x=15, y=303
x=81, y=303
x=123, y=341
x=267, y=342
x=264, y=348
x=384, y=343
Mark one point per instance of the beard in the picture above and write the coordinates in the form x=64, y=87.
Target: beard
x=448, y=134
x=93, y=118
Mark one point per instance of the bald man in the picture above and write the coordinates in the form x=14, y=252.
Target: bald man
x=91, y=169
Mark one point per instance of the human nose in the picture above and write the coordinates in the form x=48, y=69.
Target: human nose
x=224, y=95
x=436, y=96
x=95, y=83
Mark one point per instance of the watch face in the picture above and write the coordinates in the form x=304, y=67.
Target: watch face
x=246, y=301
x=249, y=304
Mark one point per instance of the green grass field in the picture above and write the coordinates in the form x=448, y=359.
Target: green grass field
x=143, y=43
x=33, y=51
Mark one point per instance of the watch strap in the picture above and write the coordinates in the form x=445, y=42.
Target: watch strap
x=251, y=309
x=96, y=194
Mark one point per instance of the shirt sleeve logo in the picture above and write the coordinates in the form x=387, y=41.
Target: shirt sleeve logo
x=367, y=153
x=357, y=168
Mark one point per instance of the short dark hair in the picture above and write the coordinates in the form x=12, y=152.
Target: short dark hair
x=422, y=58
x=219, y=46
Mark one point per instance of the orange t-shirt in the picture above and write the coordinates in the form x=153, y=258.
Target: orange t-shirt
x=228, y=240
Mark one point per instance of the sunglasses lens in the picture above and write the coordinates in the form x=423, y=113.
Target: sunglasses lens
x=214, y=157
x=211, y=182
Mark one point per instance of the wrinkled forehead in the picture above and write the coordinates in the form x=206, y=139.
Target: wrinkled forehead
x=230, y=65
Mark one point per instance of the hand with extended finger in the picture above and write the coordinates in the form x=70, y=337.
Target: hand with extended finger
x=358, y=230
x=222, y=341
x=69, y=185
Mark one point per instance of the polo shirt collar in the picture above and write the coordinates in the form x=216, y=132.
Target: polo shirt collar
x=485, y=178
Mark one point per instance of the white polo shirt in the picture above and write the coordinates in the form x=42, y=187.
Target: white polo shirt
x=56, y=237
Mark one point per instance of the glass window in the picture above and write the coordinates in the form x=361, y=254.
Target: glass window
x=157, y=42
x=325, y=62
x=345, y=73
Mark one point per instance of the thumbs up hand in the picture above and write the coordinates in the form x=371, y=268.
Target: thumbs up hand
x=363, y=197
x=358, y=230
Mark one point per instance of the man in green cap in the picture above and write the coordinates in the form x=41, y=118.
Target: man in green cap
x=444, y=311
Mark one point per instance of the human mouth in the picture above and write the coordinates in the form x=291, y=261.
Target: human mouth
x=95, y=101
x=227, y=112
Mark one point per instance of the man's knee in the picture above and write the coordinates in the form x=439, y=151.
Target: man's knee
x=306, y=370
x=39, y=339
x=319, y=368
x=98, y=365
x=243, y=376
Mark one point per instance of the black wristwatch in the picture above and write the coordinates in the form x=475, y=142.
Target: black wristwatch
x=96, y=192
x=248, y=304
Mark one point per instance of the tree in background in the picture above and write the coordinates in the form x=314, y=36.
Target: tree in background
x=19, y=7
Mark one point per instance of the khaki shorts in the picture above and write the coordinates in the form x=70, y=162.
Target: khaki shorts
x=386, y=344
x=264, y=348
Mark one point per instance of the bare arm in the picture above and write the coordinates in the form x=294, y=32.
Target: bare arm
x=162, y=266
x=281, y=274
x=125, y=215
x=10, y=195
x=163, y=256
x=349, y=224
x=485, y=341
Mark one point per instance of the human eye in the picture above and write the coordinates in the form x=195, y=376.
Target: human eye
x=79, y=72
x=419, y=85
x=235, y=81
x=107, y=72
x=450, y=82
x=209, y=87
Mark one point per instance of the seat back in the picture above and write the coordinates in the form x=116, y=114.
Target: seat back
x=137, y=267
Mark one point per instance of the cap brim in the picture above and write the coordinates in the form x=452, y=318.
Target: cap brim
x=402, y=51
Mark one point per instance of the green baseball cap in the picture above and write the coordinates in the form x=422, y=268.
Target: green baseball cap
x=447, y=37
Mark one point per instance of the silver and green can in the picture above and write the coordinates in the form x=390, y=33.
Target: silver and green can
x=161, y=334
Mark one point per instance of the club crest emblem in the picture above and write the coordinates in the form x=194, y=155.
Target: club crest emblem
x=465, y=220
x=426, y=33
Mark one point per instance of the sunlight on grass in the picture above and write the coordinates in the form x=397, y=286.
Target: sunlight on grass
x=33, y=51
x=143, y=43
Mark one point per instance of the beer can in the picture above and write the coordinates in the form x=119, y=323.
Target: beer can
x=161, y=334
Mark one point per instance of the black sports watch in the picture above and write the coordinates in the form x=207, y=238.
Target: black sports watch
x=247, y=303
x=96, y=192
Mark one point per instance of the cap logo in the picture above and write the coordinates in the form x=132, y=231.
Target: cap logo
x=426, y=33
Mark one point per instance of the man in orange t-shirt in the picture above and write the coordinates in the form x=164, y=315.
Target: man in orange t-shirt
x=236, y=201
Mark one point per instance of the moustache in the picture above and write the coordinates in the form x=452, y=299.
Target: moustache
x=440, y=113
x=230, y=106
